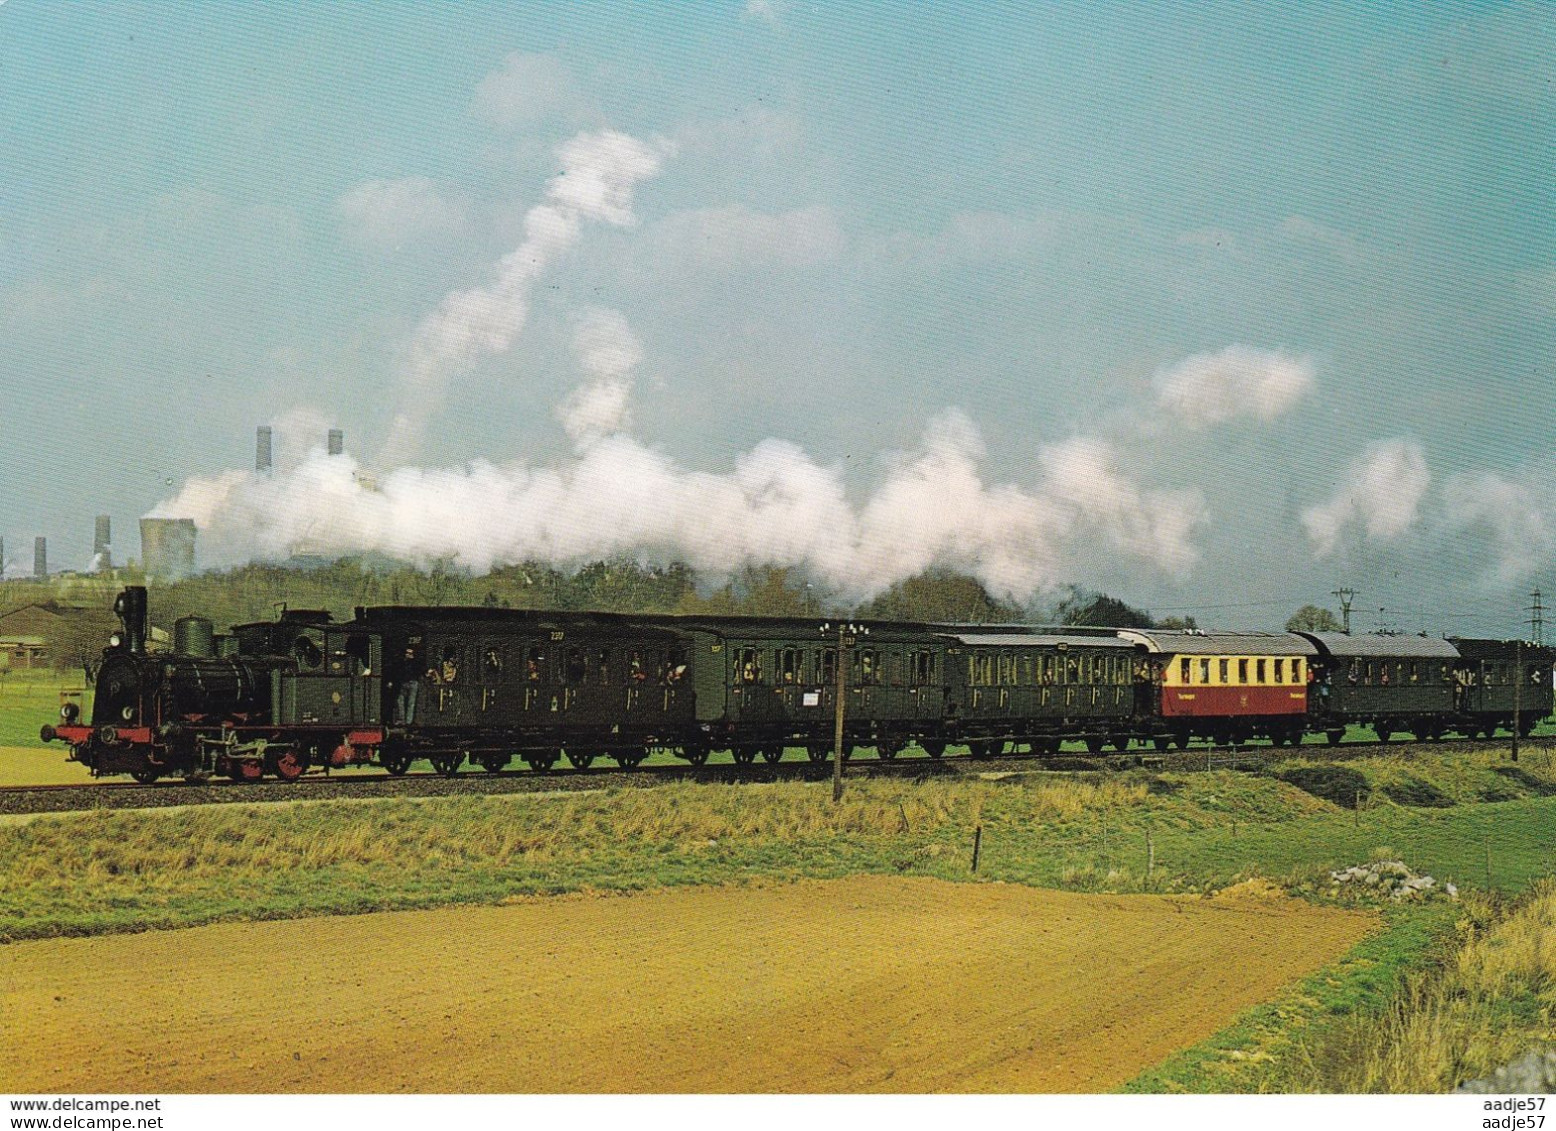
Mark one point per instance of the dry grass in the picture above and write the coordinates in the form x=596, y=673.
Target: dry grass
x=1485, y=1003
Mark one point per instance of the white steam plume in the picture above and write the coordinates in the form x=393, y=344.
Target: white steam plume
x=608, y=351
x=599, y=172
x=617, y=496
x=1381, y=492
x=1210, y=388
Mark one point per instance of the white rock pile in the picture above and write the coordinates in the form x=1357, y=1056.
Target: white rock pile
x=1392, y=878
x=1534, y=1072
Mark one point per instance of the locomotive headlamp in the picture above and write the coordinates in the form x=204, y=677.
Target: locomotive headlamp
x=115, y=641
x=69, y=712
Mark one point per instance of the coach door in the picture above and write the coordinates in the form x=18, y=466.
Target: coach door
x=926, y=697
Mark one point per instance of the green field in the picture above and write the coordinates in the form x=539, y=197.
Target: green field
x=1477, y=820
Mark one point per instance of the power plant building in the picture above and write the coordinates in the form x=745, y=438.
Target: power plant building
x=40, y=557
x=167, y=548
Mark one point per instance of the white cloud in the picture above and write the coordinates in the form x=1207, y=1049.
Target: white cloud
x=737, y=236
x=392, y=212
x=529, y=90
x=1210, y=388
x=1381, y=492
x=762, y=11
x=1518, y=511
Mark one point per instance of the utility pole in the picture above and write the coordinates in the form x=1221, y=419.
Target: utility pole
x=847, y=635
x=1518, y=693
x=1346, y=596
x=1536, y=619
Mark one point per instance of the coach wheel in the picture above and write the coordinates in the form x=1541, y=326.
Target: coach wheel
x=934, y=747
x=817, y=753
x=493, y=763
x=579, y=759
x=1181, y=739
x=447, y=765
x=744, y=755
x=145, y=777
x=1161, y=742
x=888, y=751
x=1121, y=742
x=289, y=764
x=696, y=755
x=1334, y=736
x=1095, y=743
x=396, y=764
x=774, y=753
x=1383, y=732
x=628, y=759
x=540, y=762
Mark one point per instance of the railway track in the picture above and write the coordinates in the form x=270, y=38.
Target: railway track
x=120, y=795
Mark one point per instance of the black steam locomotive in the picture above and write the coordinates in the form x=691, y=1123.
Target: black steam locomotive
x=394, y=685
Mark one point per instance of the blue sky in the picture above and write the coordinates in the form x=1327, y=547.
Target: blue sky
x=886, y=253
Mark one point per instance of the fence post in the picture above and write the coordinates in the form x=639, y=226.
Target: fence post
x=977, y=846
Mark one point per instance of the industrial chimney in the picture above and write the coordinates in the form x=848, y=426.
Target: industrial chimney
x=262, y=449
x=337, y=442
x=40, y=557
x=102, y=545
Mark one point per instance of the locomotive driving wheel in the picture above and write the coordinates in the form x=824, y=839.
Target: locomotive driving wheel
x=289, y=764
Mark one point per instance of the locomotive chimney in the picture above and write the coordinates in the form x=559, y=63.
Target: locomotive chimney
x=131, y=608
x=40, y=557
x=337, y=442
x=262, y=449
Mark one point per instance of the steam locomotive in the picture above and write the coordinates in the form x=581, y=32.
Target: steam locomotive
x=397, y=684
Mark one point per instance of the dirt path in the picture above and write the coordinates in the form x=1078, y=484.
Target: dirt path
x=867, y=984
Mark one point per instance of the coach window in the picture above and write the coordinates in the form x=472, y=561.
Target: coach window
x=1279, y=666
x=494, y=658
x=788, y=665
x=869, y=667
x=1204, y=671
x=535, y=665
x=748, y=665
x=675, y=666
x=1242, y=671
x=1226, y=666
x=575, y=668
x=602, y=667
x=828, y=666
x=1258, y=671
x=1183, y=670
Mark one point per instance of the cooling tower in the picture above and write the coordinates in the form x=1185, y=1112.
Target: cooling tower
x=167, y=548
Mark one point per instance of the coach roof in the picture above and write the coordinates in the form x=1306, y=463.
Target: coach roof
x=1221, y=643
x=1383, y=644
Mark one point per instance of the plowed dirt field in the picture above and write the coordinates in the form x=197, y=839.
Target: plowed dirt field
x=866, y=984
